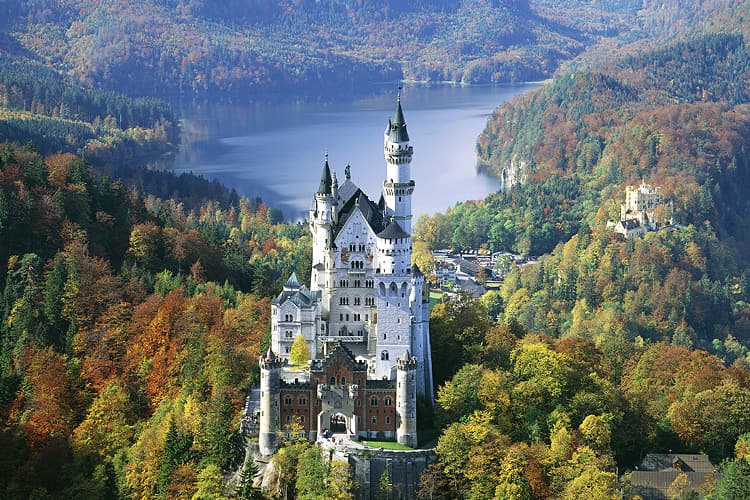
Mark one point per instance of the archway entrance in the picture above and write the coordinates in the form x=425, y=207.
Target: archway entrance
x=338, y=423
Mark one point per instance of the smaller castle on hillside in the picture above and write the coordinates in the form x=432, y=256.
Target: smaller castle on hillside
x=644, y=210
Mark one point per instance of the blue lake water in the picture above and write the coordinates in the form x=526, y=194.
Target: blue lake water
x=276, y=151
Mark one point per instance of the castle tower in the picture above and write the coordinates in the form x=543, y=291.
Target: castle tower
x=406, y=401
x=398, y=185
x=270, y=401
x=322, y=220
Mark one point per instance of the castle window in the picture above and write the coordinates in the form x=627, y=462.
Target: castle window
x=302, y=419
x=384, y=355
x=387, y=419
x=385, y=336
x=333, y=380
x=356, y=301
x=367, y=317
x=288, y=418
x=343, y=380
x=287, y=400
x=302, y=401
x=374, y=420
x=373, y=401
x=287, y=349
x=347, y=317
x=387, y=402
x=341, y=317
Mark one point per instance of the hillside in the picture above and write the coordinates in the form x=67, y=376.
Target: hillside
x=155, y=47
x=130, y=330
x=605, y=348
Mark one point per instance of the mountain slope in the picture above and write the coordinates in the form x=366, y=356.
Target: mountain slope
x=255, y=45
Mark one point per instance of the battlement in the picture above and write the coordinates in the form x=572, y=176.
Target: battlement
x=407, y=364
x=269, y=361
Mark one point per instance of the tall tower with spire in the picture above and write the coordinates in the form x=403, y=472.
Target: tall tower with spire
x=398, y=185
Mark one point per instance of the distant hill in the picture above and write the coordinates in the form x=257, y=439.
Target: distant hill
x=159, y=46
x=677, y=116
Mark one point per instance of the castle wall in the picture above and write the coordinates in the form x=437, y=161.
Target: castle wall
x=403, y=467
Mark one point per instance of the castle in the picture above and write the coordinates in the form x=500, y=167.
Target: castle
x=643, y=210
x=365, y=317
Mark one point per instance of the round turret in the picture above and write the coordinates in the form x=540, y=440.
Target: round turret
x=270, y=399
x=406, y=400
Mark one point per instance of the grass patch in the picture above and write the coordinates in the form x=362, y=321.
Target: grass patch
x=387, y=445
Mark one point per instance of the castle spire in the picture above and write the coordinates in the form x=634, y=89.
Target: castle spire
x=325, y=178
x=397, y=126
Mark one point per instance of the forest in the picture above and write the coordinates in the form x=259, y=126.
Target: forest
x=308, y=47
x=605, y=349
x=130, y=330
x=39, y=106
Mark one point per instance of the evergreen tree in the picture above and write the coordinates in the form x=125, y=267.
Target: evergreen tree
x=735, y=480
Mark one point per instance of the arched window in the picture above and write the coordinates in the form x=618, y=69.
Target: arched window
x=302, y=400
x=373, y=401
x=342, y=381
x=384, y=355
x=382, y=289
x=333, y=380
x=393, y=290
x=287, y=400
x=387, y=402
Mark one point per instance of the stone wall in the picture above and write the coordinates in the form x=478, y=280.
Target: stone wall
x=404, y=469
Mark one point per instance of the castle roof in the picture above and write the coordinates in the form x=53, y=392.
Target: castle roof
x=292, y=283
x=300, y=296
x=325, y=179
x=338, y=351
x=416, y=271
x=397, y=127
x=355, y=198
x=393, y=231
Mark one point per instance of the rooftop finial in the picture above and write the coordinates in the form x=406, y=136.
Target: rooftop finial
x=348, y=171
x=398, y=95
x=326, y=156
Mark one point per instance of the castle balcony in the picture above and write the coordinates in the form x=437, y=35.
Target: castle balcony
x=344, y=338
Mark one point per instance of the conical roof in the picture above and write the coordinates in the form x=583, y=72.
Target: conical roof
x=292, y=283
x=397, y=127
x=325, y=179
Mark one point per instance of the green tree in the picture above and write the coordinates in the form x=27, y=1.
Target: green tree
x=735, y=480
x=312, y=471
x=210, y=484
x=339, y=484
x=385, y=488
x=299, y=354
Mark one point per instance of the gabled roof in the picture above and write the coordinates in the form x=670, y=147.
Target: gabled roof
x=392, y=231
x=630, y=224
x=339, y=351
x=368, y=209
x=346, y=191
x=685, y=462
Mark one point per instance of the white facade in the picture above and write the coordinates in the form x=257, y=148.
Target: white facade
x=364, y=291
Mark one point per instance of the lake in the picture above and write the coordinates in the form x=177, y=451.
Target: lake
x=276, y=151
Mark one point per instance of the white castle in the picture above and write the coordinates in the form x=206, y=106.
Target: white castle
x=365, y=297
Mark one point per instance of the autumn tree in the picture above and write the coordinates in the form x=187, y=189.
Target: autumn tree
x=299, y=354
